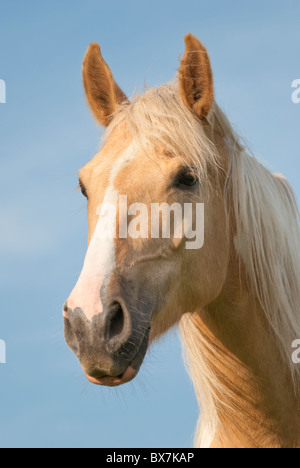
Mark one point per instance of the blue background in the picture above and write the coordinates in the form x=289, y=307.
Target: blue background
x=47, y=133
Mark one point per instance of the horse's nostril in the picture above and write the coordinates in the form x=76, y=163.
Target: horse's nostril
x=115, y=322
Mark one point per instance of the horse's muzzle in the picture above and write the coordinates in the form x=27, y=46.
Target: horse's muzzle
x=112, y=346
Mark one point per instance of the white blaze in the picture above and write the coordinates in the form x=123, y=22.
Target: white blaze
x=100, y=258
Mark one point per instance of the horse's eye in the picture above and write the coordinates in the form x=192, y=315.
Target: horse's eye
x=83, y=190
x=188, y=179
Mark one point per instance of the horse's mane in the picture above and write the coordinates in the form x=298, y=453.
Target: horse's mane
x=158, y=120
x=265, y=214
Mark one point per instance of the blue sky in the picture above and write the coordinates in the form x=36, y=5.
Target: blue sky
x=47, y=133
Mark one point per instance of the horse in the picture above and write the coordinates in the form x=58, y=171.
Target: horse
x=236, y=300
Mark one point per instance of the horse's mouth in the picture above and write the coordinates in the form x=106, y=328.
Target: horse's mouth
x=130, y=372
x=108, y=381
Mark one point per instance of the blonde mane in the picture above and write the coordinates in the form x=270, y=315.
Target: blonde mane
x=265, y=214
x=158, y=119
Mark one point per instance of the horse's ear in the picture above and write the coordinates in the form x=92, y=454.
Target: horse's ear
x=196, y=78
x=102, y=92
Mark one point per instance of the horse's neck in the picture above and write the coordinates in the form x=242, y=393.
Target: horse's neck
x=257, y=405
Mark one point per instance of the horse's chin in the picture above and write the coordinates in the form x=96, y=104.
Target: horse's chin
x=108, y=381
x=132, y=367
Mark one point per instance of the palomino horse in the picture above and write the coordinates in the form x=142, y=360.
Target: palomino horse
x=236, y=299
